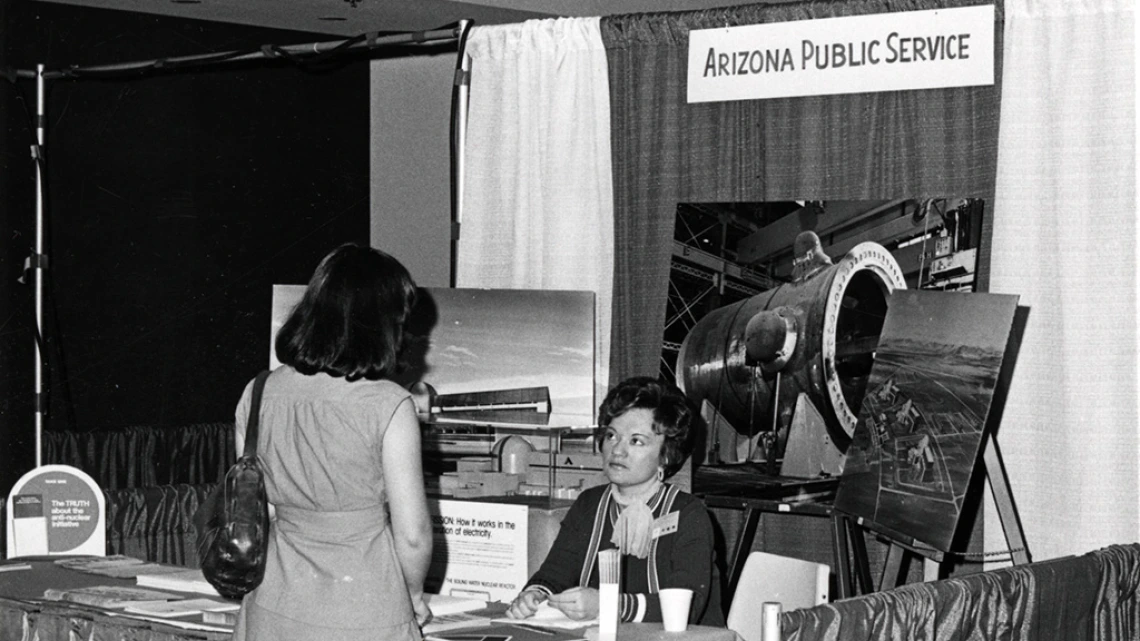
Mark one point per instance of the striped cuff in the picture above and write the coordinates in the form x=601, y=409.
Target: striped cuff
x=541, y=588
x=632, y=608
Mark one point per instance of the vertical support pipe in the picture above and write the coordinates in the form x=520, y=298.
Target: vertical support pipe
x=458, y=142
x=38, y=260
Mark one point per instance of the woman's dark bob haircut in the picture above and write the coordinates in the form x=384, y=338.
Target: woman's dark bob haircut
x=672, y=416
x=350, y=322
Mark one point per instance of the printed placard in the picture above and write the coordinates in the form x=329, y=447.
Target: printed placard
x=479, y=549
x=56, y=509
x=856, y=54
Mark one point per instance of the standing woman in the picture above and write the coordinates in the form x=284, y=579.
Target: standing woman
x=665, y=535
x=340, y=447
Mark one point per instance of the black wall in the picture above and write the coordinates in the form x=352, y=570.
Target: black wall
x=176, y=199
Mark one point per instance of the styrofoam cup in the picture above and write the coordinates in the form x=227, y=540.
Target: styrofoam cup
x=675, y=604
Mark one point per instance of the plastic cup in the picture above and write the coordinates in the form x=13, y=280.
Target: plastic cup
x=675, y=604
x=770, y=629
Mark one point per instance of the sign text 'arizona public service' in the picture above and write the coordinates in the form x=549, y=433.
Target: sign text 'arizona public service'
x=856, y=54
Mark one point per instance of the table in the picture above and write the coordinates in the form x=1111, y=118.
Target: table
x=654, y=632
x=25, y=615
x=625, y=632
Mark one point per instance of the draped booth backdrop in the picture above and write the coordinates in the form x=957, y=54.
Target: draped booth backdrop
x=1065, y=166
x=538, y=166
x=1065, y=239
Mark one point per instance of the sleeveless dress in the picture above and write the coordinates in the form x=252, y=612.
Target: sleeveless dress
x=332, y=571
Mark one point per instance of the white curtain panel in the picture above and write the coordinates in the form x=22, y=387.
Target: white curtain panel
x=1065, y=239
x=537, y=209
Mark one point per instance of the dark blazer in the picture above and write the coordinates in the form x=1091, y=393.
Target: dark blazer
x=681, y=559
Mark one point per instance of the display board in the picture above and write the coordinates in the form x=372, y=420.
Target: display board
x=478, y=340
x=923, y=418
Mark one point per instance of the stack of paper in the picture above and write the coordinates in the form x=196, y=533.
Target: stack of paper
x=450, y=612
x=182, y=581
x=181, y=608
x=446, y=604
x=106, y=596
x=548, y=616
x=117, y=566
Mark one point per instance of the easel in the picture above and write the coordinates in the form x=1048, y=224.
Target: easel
x=848, y=528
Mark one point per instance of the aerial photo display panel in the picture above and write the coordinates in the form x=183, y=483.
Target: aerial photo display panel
x=478, y=340
x=922, y=419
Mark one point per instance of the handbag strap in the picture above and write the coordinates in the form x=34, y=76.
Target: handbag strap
x=254, y=414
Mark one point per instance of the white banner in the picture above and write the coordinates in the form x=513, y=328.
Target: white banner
x=479, y=549
x=855, y=54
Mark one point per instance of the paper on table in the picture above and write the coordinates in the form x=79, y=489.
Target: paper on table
x=185, y=580
x=442, y=604
x=444, y=622
x=548, y=616
x=178, y=623
x=107, y=596
x=180, y=608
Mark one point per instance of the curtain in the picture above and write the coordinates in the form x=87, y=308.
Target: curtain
x=1077, y=598
x=155, y=523
x=143, y=456
x=537, y=195
x=1064, y=239
x=909, y=144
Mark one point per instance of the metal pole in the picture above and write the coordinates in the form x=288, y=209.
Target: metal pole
x=458, y=144
x=372, y=41
x=37, y=263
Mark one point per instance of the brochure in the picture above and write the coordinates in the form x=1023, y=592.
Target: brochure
x=184, y=580
x=442, y=604
x=181, y=608
x=442, y=622
x=107, y=596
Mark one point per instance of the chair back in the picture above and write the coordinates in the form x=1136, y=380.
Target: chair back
x=794, y=583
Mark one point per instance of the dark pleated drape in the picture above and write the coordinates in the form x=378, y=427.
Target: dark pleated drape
x=906, y=144
x=1091, y=597
x=155, y=523
x=146, y=456
x=1117, y=603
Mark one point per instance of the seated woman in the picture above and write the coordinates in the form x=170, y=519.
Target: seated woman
x=665, y=535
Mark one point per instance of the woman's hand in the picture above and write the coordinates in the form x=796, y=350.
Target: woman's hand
x=526, y=603
x=423, y=612
x=577, y=603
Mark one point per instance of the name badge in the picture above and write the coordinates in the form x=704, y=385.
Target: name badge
x=665, y=525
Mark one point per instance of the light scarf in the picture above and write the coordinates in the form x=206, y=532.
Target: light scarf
x=634, y=523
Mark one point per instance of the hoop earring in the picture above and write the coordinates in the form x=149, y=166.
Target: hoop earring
x=660, y=474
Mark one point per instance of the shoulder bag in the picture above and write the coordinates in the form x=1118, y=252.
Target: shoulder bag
x=232, y=523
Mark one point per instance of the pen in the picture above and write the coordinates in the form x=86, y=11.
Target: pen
x=533, y=628
x=13, y=568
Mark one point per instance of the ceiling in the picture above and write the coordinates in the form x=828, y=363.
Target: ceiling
x=350, y=18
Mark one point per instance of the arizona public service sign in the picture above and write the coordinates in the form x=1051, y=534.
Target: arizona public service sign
x=881, y=52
